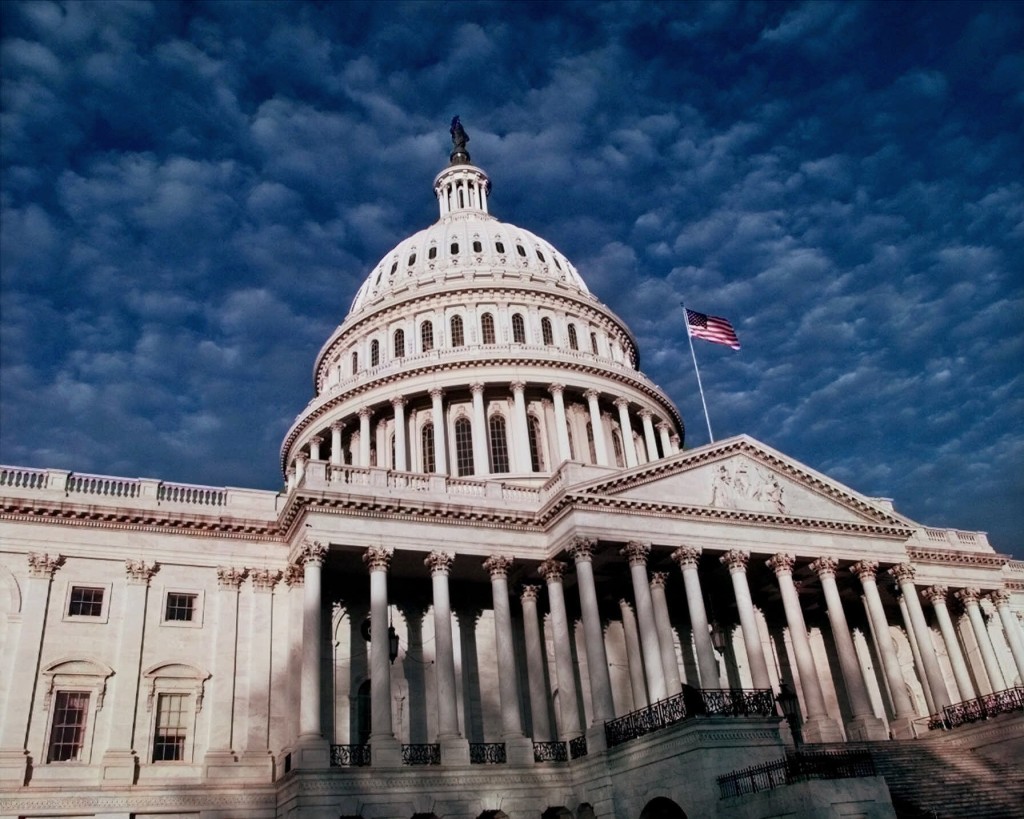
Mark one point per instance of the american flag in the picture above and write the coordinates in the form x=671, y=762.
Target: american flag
x=711, y=328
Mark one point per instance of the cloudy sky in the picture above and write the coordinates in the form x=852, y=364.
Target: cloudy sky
x=192, y=192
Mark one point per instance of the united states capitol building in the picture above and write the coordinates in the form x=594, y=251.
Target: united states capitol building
x=496, y=583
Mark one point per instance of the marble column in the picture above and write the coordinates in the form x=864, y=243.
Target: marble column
x=669, y=662
x=707, y=663
x=904, y=574
x=454, y=748
x=364, y=436
x=223, y=664
x=634, y=657
x=314, y=447
x=628, y=445
x=676, y=443
x=310, y=731
x=582, y=551
x=535, y=665
x=636, y=553
x=561, y=424
x=901, y=725
x=737, y=560
x=970, y=597
x=437, y=418
x=401, y=462
x=1011, y=628
x=863, y=724
x=520, y=429
x=480, y=461
x=936, y=595
x=572, y=726
x=818, y=725
x=663, y=433
x=337, y=454
x=385, y=749
x=257, y=736
x=600, y=446
x=300, y=468
x=518, y=749
x=650, y=441
x=915, y=649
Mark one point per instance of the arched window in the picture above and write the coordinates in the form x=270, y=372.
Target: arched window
x=593, y=343
x=427, y=336
x=392, y=464
x=536, y=454
x=455, y=245
x=590, y=443
x=572, y=444
x=374, y=353
x=574, y=343
x=617, y=447
x=487, y=328
x=399, y=343
x=499, y=247
x=477, y=247
x=546, y=332
x=518, y=328
x=499, y=444
x=463, y=447
x=427, y=447
x=355, y=363
x=458, y=337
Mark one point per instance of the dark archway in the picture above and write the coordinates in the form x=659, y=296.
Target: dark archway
x=363, y=725
x=560, y=812
x=662, y=808
x=493, y=814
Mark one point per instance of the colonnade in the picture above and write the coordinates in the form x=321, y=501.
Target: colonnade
x=654, y=665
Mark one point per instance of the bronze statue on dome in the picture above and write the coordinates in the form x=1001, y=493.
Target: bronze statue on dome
x=459, y=154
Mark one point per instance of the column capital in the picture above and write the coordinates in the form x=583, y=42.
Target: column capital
x=229, y=577
x=301, y=457
x=439, y=562
x=551, y=570
x=592, y=395
x=621, y=402
x=138, y=571
x=935, y=594
x=313, y=552
x=903, y=572
x=530, y=591
x=476, y=389
x=398, y=401
x=338, y=426
x=636, y=552
x=378, y=558
x=498, y=566
x=264, y=580
x=825, y=566
x=643, y=412
x=999, y=597
x=736, y=560
x=663, y=425
x=968, y=595
x=687, y=556
x=659, y=579
x=582, y=548
x=517, y=386
x=865, y=569
x=556, y=389
x=675, y=440
x=435, y=392
x=781, y=563
x=316, y=439
x=364, y=412
x=625, y=604
x=293, y=575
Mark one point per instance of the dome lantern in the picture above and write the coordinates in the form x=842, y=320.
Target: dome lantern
x=461, y=187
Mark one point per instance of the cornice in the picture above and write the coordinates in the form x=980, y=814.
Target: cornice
x=952, y=557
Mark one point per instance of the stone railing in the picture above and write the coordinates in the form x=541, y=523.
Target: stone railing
x=797, y=767
x=23, y=478
x=979, y=708
x=187, y=493
x=323, y=475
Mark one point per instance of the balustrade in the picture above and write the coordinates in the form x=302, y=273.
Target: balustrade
x=486, y=753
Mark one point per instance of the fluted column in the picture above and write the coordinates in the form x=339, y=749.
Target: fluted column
x=969, y=597
x=904, y=574
x=936, y=595
x=707, y=664
x=600, y=446
x=737, y=560
x=669, y=663
x=863, y=725
x=663, y=433
x=535, y=665
x=480, y=467
x=646, y=417
x=384, y=746
x=627, y=431
x=337, y=455
x=634, y=657
x=520, y=429
x=582, y=551
x=903, y=712
x=572, y=726
x=1011, y=628
x=636, y=553
x=437, y=417
x=364, y=436
x=401, y=463
x=561, y=425
x=818, y=726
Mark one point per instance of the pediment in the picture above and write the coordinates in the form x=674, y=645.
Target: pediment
x=743, y=475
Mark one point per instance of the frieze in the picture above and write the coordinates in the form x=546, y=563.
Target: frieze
x=251, y=797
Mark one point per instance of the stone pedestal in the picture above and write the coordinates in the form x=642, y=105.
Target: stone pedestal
x=259, y=765
x=596, y=739
x=311, y=753
x=455, y=751
x=821, y=729
x=386, y=752
x=518, y=750
x=863, y=729
x=120, y=768
x=13, y=768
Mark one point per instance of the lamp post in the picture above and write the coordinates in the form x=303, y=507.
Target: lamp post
x=790, y=707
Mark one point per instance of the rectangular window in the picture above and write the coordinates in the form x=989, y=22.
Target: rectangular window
x=180, y=607
x=67, y=735
x=171, y=728
x=85, y=601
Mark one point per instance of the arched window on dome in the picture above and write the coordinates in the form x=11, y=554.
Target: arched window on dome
x=394, y=267
x=399, y=343
x=500, y=247
x=521, y=250
x=355, y=362
x=463, y=447
x=593, y=343
x=427, y=447
x=536, y=453
x=617, y=448
x=432, y=253
x=499, y=444
x=454, y=248
x=574, y=343
x=487, y=329
x=458, y=336
x=427, y=336
x=546, y=332
x=590, y=443
x=477, y=247
x=540, y=256
x=518, y=328
x=374, y=353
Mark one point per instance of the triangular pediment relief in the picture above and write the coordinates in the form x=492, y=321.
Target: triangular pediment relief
x=743, y=475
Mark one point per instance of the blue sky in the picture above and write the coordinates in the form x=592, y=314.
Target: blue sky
x=192, y=193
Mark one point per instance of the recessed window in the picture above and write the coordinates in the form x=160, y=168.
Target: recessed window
x=427, y=447
x=455, y=248
x=541, y=256
x=67, y=732
x=458, y=336
x=427, y=336
x=617, y=448
x=412, y=259
x=546, y=332
x=593, y=343
x=556, y=262
x=536, y=455
x=180, y=607
x=499, y=444
x=399, y=343
x=521, y=251
x=477, y=247
x=463, y=447
x=574, y=343
x=499, y=246
x=487, y=328
x=374, y=353
x=171, y=728
x=591, y=447
x=355, y=363
x=86, y=601
x=518, y=329
x=394, y=267
x=432, y=253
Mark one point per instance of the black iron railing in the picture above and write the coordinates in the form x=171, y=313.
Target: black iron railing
x=961, y=713
x=797, y=767
x=736, y=702
x=577, y=747
x=421, y=754
x=550, y=752
x=486, y=753
x=350, y=756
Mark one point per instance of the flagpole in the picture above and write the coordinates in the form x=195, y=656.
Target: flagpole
x=696, y=369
